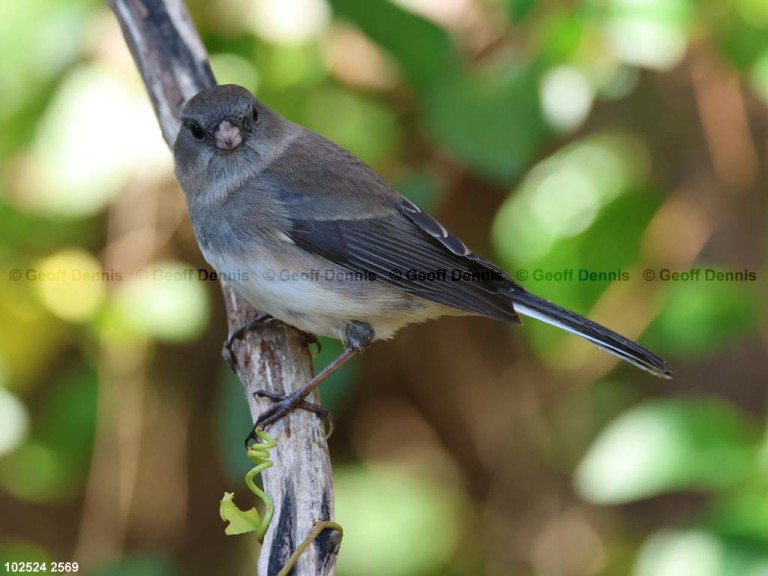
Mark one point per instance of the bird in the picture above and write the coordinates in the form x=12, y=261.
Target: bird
x=312, y=236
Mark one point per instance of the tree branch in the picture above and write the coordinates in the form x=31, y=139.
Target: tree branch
x=174, y=65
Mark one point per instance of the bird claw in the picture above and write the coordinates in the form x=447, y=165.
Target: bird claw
x=227, y=352
x=282, y=407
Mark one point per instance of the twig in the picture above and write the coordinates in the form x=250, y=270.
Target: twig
x=174, y=65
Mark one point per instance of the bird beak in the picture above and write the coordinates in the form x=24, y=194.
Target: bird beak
x=227, y=136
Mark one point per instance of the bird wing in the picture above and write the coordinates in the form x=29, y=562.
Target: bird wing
x=406, y=248
x=337, y=207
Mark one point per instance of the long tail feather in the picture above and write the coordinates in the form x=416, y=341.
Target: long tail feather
x=541, y=309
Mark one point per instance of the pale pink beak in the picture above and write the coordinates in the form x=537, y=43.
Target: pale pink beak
x=227, y=136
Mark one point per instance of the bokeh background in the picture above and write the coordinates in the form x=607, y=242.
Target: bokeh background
x=611, y=136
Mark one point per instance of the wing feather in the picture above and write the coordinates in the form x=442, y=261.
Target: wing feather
x=402, y=249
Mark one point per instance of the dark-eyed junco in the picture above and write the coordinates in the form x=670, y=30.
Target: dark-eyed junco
x=312, y=236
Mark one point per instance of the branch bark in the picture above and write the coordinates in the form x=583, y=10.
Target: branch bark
x=174, y=66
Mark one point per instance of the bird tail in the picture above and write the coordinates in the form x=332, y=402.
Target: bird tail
x=541, y=309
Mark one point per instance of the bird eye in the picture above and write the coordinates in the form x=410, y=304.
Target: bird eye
x=254, y=114
x=196, y=130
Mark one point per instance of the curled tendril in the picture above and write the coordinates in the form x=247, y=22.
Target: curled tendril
x=241, y=522
x=316, y=530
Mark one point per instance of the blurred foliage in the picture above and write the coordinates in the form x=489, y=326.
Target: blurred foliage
x=671, y=445
x=601, y=137
x=401, y=507
x=138, y=566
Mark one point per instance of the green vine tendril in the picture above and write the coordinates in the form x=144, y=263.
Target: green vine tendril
x=241, y=522
x=316, y=530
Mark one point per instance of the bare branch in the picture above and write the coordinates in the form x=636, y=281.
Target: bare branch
x=174, y=65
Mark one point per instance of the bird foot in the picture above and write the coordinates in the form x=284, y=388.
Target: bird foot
x=227, y=352
x=283, y=406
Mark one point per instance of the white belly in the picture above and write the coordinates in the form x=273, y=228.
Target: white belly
x=319, y=297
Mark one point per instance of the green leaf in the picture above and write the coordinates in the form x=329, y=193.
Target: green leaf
x=240, y=521
x=664, y=446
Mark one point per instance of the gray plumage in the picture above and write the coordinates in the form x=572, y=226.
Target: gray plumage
x=311, y=235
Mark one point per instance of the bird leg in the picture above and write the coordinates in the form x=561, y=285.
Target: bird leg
x=286, y=404
x=358, y=336
x=321, y=411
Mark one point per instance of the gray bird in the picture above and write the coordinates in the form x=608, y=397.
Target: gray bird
x=312, y=236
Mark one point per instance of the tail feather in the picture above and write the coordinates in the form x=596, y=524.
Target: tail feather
x=541, y=309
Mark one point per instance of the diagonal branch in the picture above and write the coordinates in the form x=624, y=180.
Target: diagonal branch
x=174, y=66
